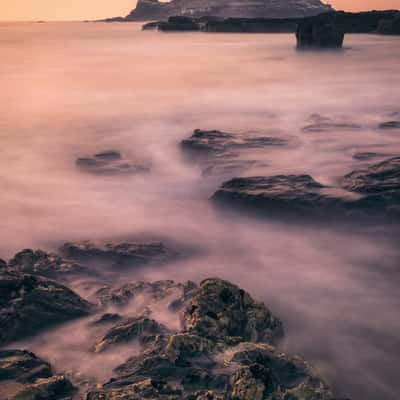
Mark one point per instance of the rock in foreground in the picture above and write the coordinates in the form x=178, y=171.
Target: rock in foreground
x=23, y=376
x=223, y=352
x=30, y=304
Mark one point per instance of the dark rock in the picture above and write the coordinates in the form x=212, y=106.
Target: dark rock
x=3, y=264
x=43, y=264
x=120, y=254
x=325, y=124
x=30, y=304
x=320, y=34
x=24, y=376
x=108, y=318
x=142, y=329
x=285, y=194
x=109, y=162
x=215, y=141
x=221, y=310
x=390, y=125
x=211, y=359
x=365, y=156
x=381, y=179
x=150, y=26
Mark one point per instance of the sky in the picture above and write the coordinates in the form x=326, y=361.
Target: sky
x=92, y=9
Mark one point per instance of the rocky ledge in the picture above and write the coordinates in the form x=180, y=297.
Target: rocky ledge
x=224, y=351
x=24, y=376
x=375, y=190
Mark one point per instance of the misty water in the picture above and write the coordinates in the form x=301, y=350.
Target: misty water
x=73, y=89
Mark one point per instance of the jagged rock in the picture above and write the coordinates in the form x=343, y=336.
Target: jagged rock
x=320, y=34
x=43, y=264
x=120, y=254
x=142, y=329
x=30, y=304
x=109, y=162
x=24, y=376
x=217, y=363
x=390, y=125
x=177, y=293
x=221, y=310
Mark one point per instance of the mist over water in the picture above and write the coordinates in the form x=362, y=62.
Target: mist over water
x=73, y=89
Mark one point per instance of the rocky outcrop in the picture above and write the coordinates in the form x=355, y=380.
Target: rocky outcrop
x=109, y=162
x=119, y=254
x=44, y=264
x=24, y=376
x=30, y=304
x=223, y=352
x=320, y=34
x=222, y=311
x=155, y=10
x=370, y=192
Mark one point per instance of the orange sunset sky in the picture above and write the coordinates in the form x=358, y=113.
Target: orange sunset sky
x=91, y=9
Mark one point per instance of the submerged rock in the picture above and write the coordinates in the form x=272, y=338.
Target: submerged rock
x=30, y=304
x=109, y=162
x=321, y=123
x=120, y=254
x=43, y=264
x=319, y=33
x=212, y=358
x=24, y=376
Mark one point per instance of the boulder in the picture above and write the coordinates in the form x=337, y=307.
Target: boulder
x=24, y=376
x=43, y=264
x=31, y=304
x=119, y=254
x=319, y=34
x=222, y=311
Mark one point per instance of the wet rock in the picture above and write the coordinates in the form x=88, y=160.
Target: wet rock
x=221, y=310
x=282, y=194
x=215, y=141
x=320, y=123
x=390, y=125
x=319, y=34
x=43, y=264
x=24, y=376
x=120, y=254
x=381, y=180
x=109, y=162
x=142, y=329
x=177, y=294
x=30, y=304
x=211, y=358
